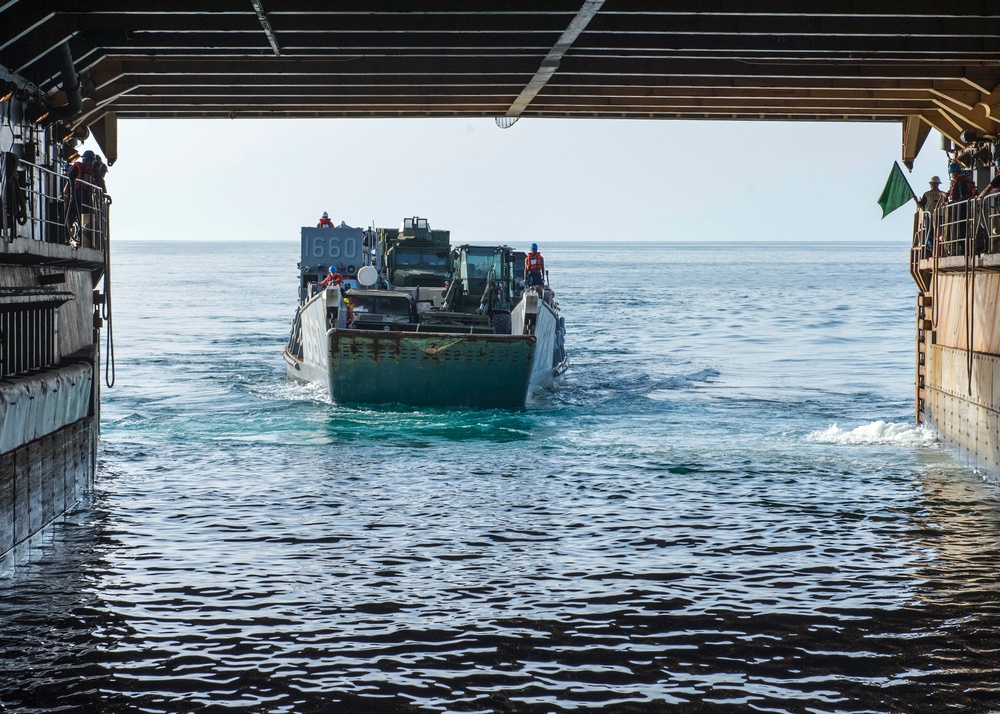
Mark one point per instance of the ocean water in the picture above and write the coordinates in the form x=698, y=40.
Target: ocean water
x=724, y=507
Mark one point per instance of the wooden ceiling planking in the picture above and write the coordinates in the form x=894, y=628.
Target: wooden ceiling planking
x=915, y=63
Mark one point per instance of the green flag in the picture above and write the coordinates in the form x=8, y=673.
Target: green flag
x=896, y=192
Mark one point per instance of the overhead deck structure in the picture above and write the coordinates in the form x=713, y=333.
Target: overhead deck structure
x=917, y=62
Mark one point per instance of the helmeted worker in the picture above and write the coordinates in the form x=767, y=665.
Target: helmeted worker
x=929, y=203
x=100, y=171
x=80, y=199
x=955, y=228
x=324, y=221
x=933, y=198
x=994, y=185
x=332, y=278
x=534, y=268
x=82, y=170
x=962, y=186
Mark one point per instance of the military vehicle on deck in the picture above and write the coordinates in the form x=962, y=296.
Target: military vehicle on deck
x=415, y=255
x=481, y=291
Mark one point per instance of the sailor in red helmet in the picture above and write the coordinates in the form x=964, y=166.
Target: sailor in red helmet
x=324, y=221
x=534, y=268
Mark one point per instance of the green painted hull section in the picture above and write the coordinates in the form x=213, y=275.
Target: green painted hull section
x=446, y=370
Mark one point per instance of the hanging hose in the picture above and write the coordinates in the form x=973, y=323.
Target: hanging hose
x=935, y=295
x=970, y=293
x=109, y=357
x=13, y=202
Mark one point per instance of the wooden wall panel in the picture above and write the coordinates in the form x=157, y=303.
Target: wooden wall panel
x=952, y=308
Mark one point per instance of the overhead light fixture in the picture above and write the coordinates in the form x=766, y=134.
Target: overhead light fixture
x=63, y=132
x=7, y=90
x=36, y=112
x=35, y=107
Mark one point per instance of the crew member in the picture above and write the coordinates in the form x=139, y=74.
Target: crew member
x=934, y=197
x=961, y=190
x=962, y=186
x=534, y=268
x=994, y=185
x=78, y=196
x=929, y=203
x=324, y=221
x=332, y=278
x=992, y=208
x=100, y=171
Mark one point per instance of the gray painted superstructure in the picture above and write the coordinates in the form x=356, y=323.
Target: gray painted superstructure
x=53, y=301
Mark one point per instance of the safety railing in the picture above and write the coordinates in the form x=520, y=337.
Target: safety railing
x=41, y=204
x=969, y=227
x=922, y=228
x=988, y=224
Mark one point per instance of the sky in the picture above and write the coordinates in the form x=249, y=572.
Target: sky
x=540, y=180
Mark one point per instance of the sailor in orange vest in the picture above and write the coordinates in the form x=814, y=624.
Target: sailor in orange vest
x=325, y=221
x=332, y=278
x=534, y=268
x=79, y=197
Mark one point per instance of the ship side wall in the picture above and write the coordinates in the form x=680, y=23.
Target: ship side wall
x=48, y=398
x=962, y=365
x=53, y=260
x=75, y=328
x=542, y=369
x=543, y=373
x=76, y=317
x=315, y=366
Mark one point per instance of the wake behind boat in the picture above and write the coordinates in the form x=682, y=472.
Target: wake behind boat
x=403, y=318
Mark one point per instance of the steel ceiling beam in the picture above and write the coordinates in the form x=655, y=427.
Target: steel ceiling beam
x=914, y=62
x=550, y=64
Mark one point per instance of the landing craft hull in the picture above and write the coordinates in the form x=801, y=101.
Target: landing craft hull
x=435, y=370
x=426, y=369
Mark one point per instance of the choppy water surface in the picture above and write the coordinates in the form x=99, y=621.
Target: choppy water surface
x=723, y=508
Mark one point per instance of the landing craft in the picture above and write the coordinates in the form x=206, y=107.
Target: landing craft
x=416, y=322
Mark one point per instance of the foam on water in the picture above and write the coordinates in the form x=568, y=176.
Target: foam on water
x=684, y=381
x=876, y=433
x=291, y=390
